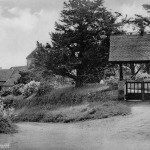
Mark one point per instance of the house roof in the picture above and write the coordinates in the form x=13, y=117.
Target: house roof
x=2, y=83
x=19, y=68
x=128, y=48
x=31, y=55
x=9, y=76
x=5, y=74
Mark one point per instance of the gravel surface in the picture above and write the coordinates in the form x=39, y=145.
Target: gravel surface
x=117, y=133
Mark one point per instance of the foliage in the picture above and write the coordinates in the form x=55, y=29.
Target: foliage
x=30, y=88
x=44, y=88
x=142, y=77
x=140, y=22
x=8, y=101
x=6, y=125
x=112, y=83
x=69, y=96
x=80, y=42
x=76, y=113
x=14, y=101
x=31, y=115
x=25, y=77
x=16, y=89
x=5, y=92
x=1, y=108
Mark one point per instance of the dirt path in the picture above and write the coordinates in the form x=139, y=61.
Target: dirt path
x=118, y=133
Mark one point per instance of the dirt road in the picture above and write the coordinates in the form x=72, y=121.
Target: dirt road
x=118, y=133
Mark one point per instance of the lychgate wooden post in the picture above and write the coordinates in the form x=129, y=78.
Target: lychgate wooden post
x=132, y=70
x=120, y=72
x=142, y=90
x=121, y=83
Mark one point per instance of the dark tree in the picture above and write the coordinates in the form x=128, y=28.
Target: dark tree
x=81, y=41
x=25, y=77
x=141, y=22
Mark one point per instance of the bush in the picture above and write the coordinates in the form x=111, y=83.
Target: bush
x=67, y=97
x=8, y=101
x=44, y=87
x=6, y=125
x=5, y=92
x=112, y=83
x=30, y=88
x=25, y=77
x=16, y=89
x=32, y=115
x=56, y=99
x=1, y=108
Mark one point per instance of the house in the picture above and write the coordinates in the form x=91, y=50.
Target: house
x=8, y=77
x=30, y=59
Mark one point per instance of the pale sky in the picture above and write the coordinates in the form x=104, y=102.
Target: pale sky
x=23, y=22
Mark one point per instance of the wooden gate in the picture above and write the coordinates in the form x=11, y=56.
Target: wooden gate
x=137, y=91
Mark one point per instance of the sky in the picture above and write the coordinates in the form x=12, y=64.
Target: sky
x=23, y=22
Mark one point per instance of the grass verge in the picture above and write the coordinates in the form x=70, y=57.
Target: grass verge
x=68, y=105
x=94, y=110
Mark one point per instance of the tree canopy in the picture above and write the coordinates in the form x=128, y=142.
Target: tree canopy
x=80, y=43
x=147, y=7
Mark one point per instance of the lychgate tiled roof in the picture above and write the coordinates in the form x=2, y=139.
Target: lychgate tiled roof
x=129, y=48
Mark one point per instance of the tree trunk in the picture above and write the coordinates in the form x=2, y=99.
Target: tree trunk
x=80, y=76
x=78, y=83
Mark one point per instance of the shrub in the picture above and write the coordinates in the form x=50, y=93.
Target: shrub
x=5, y=92
x=8, y=101
x=6, y=125
x=57, y=99
x=67, y=97
x=32, y=115
x=44, y=88
x=142, y=76
x=1, y=108
x=16, y=89
x=16, y=102
x=30, y=88
x=112, y=83
x=25, y=77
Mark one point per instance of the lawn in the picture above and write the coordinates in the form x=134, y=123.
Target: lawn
x=94, y=110
x=71, y=105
